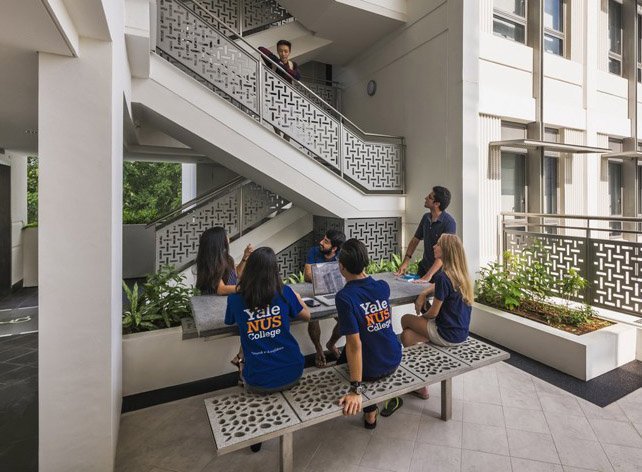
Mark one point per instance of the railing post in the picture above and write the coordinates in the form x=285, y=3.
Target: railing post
x=241, y=16
x=241, y=215
x=341, y=156
x=588, y=270
x=501, y=238
x=259, y=89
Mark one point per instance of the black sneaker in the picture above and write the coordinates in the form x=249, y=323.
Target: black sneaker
x=256, y=447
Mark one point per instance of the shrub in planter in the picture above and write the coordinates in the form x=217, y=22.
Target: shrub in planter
x=526, y=288
x=161, y=303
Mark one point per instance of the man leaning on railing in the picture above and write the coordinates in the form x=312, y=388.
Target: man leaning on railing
x=286, y=69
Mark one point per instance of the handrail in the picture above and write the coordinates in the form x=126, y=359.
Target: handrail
x=252, y=48
x=309, y=78
x=629, y=219
x=198, y=200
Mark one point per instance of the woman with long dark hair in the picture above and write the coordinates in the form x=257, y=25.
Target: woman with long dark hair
x=263, y=309
x=215, y=270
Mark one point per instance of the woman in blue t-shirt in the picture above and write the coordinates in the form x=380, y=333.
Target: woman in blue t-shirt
x=446, y=322
x=215, y=270
x=263, y=310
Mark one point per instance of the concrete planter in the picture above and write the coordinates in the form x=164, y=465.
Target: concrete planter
x=584, y=357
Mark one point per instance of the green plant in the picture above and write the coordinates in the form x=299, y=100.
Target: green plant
x=296, y=278
x=391, y=265
x=521, y=286
x=163, y=301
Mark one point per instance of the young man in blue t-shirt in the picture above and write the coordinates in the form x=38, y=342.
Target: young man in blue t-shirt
x=326, y=251
x=372, y=349
x=432, y=225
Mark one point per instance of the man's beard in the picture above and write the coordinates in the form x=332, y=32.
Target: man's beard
x=325, y=252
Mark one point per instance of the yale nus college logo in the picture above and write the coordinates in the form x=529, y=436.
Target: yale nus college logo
x=377, y=315
x=264, y=323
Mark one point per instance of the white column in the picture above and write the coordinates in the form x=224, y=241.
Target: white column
x=18, y=162
x=80, y=143
x=188, y=182
x=490, y=187
x=486, y=16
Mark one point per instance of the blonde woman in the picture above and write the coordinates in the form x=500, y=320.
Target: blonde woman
x=446, y=322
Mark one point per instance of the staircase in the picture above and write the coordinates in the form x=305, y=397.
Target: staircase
x=241, y=207
x=328, y=167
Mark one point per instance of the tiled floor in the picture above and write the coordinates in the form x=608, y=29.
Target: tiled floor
x=503, y=419
x=19, y=402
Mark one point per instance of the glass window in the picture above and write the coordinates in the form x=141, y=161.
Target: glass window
x=513, y=182
x=550, y=184
x=509, y=19
x=554, y=27
x=615, y=37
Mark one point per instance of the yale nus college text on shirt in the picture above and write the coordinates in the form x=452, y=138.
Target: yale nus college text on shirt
x=377, y=315
x=264, y=323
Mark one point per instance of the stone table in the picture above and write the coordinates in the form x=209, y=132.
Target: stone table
x=209, y=310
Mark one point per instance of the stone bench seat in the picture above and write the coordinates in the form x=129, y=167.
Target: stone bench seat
x=239, y=419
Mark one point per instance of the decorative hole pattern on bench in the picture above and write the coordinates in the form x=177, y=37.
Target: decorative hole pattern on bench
x=474, y=352
x=317, y=393
x=400, y=379
x=424, y=361
x=239, y=416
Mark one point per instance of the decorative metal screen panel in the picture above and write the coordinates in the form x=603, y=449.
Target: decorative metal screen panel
x=239, y=416
x=329, y=94
x=616, y=275
x=426, y=362
x=196, y=44
x=380, y=235
x=376, y=166
x=177, y=241
x=259, y=202
x=317, y=393
x=187, y=38
x=321, y=225
x=257, y=13
x=298, y=117
x=292, y=259
x=613, y=268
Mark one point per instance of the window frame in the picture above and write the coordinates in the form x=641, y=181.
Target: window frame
x=512, y=18
x=613, y=56
x=559, y=34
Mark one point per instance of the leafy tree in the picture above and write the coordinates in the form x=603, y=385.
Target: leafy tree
x=32, y=190
x=149, y=190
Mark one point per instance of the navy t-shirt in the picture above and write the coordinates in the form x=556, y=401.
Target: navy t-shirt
x=453, y=319
x=315, y=256
x=430, y=232
x=363, y=307
x=272, y=355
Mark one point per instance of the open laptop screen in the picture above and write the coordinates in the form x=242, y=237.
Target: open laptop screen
x=326, y=278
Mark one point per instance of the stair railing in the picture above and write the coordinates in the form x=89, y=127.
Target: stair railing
x=235, y=70
x=239, y=207
x=246, y=16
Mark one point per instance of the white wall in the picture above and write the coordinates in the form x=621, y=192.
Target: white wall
x=80, y=146
x=18, y=163
x=426, y=92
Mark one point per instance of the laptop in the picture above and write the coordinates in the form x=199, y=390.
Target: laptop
x=326, y=282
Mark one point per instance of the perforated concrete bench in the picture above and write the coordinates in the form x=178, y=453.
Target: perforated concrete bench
x=240, y=419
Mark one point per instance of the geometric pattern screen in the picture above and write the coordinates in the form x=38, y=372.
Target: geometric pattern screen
x=199, y=46
x=238, y=210
x=613, y=268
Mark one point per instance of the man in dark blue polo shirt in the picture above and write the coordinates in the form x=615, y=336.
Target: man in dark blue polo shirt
x=433, y=224
x=326, y=251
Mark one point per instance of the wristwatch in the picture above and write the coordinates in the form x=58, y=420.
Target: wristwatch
x=357, y=387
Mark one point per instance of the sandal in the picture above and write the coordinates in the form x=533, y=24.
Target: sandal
x=421, y=393
x=370, y=425
x=391, y=406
